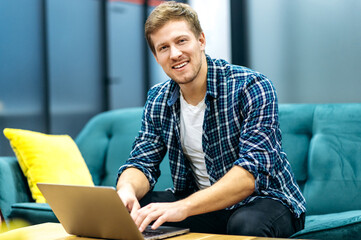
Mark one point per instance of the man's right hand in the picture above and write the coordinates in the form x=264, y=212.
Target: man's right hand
x=132, y=185
x=130, y=201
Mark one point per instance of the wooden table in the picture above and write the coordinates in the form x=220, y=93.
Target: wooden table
x=55, y=231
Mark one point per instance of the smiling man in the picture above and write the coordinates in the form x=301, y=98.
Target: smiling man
x=219, y=124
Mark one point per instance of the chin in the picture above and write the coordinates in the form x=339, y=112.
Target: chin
x=183, y=80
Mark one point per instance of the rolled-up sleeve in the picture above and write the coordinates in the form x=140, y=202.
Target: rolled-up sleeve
x=260, y=137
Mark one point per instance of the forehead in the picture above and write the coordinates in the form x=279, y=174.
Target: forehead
x=171, y=30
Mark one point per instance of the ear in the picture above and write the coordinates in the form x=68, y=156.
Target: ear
x=202, y=41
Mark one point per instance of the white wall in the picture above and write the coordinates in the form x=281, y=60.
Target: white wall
x=215, y=21
x=311, y=50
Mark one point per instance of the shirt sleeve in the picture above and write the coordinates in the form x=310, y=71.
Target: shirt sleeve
x=148, y=149
x=260, y=139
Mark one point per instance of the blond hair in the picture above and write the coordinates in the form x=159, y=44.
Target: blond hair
x=169, y=11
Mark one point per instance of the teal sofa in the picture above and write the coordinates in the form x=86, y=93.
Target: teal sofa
x=323, y=143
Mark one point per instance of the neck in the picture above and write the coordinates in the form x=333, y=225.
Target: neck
x=195, y=91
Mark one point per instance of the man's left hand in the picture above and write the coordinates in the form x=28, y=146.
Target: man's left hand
x=160, y=213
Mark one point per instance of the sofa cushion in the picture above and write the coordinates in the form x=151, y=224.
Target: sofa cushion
x=48, y=158
x=344, y=225
x=334, y=169
x=34, y=213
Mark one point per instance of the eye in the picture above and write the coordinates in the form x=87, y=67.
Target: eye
x=162, y=48
x=182, y=40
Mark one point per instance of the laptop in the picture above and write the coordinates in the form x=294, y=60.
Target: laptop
x=97, y=212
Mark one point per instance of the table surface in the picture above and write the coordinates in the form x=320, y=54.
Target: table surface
x=55, y=231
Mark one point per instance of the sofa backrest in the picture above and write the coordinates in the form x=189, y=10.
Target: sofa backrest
x=323, y=144
x=106, y=141
x=296, y=125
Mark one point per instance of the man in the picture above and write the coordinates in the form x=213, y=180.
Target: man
x=219, y=123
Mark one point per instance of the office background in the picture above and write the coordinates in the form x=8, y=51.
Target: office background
x=63, y=61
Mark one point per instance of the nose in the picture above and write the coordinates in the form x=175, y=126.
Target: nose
x=175, y=53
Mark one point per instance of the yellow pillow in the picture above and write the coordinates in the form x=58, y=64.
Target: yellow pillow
x=49, y=159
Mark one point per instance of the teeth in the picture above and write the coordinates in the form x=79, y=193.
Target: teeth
x=180, y=65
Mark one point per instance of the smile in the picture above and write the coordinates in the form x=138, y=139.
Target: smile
x=180, y=65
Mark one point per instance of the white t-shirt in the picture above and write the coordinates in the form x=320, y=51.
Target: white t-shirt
x=191, y=128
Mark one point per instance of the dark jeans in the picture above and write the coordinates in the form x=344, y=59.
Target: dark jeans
x=261, y=218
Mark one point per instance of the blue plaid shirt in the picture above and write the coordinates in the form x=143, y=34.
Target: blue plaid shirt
x=240, y=128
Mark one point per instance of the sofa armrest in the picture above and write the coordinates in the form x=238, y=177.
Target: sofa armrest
x=13, y=185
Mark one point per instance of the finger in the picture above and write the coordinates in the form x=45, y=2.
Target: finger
x=134, y=210
x=128, y=202
x=159, y=222
x=150, y=218
x=140, y=215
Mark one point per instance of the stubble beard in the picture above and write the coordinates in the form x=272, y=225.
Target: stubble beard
x=186, y=80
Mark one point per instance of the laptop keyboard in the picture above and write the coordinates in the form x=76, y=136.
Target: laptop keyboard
x=148, y=232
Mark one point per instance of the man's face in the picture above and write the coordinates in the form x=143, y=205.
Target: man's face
x=179, y=51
